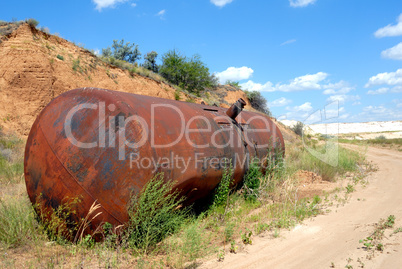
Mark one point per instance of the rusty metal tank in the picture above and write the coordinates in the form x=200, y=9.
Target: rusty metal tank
x=104, y=146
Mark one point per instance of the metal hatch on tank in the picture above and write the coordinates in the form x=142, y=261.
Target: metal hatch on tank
x=104, y=146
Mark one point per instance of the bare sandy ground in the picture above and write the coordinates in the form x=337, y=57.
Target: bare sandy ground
x=333, y=238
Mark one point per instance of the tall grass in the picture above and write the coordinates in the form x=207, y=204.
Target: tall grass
x=154, y=214
x=299, y=158
x=17, y=222
x=11, y=161
x=380, y=140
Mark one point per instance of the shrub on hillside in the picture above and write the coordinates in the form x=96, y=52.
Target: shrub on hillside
x=298, y=128
x=150, y=61
x=32, y=22
x=188, y=73
x=232, y=83
x=258, y=101
x=124, y=52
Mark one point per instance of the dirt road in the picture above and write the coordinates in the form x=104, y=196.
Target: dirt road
x=331, y=239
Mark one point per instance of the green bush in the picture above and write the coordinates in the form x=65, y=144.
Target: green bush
x=252, y=181
x=258, y=102
x=154, y=214
x=150, y=61
x=32, y=22
x=177, y=95
x=232, y=83
x=298, y=128
x=190, y=74
x=59, y=223
x=60, y=57
x=223, y=189
x=123, y=52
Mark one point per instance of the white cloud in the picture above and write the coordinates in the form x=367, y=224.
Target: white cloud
x=379, y=113
x=342, y=98
x=279, y=102
x=398, y=102
x=396, y=89
x=341, y=87
x=379, y=91
x=302, y=83
x=391, y=78
x=235, y=74
x=394, y=53
x=301, y=3
x=299, y=113
x=390, y=30
x=161, y=13
x=221, y=3
x=356, y=103
x=133, y=4
x=329, y=91
x=100, y=4
x=304, y=107
x=288, y=42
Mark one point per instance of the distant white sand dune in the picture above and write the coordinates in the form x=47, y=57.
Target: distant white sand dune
x=347, y=128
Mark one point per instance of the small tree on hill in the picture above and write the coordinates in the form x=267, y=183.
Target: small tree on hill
x=298, y=128
x=188, y=73
x=125, y=52
x=258, y=102
x=32, y=22
x=150, y=61
x=232, y=83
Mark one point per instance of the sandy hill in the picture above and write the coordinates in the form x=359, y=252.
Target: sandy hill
x=35, y=67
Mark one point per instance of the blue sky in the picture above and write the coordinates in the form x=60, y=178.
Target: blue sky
x=301, y=54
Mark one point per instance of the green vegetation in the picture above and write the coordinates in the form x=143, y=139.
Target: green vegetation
x=58, y=224
x=11, y=161
x=123, y=52
x=298, y=128
x=60, y=57
x=222, y=191
x=177, y=95
x=32, y=22
x=235, y=84
x=190, y=74
x=7, y=28
x=301, y=159
x=380, y=141
x=160, y=232
x=373, y=242
x=154, y=214
x=258, y=101
x=17, y=223
x=252, y=181
x=150, y=61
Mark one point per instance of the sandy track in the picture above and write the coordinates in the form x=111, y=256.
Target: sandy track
x=334, y=237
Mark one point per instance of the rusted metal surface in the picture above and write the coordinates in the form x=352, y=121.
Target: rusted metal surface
x=236, y=108
x=104, y=146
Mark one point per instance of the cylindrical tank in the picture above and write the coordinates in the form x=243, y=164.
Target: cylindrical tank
x=104, y=146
